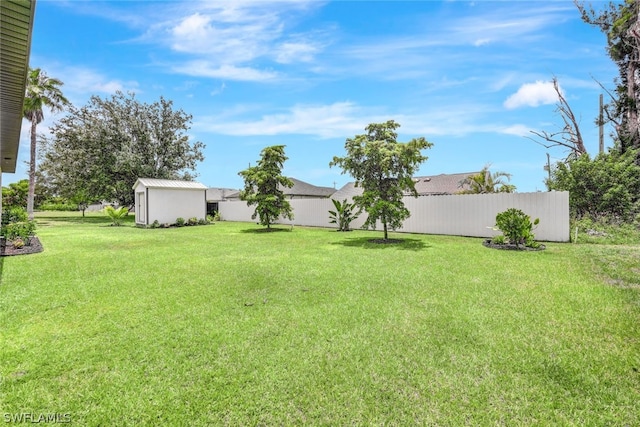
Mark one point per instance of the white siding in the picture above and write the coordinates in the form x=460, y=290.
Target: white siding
x=166, y=205
x=459, y=215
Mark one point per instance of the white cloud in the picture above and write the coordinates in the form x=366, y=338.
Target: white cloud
x=210, y=36
x=226, y=39
x=81, y=82
x=201, y=68
x=325, y=121
x=532, y=95
x=290, y=52
x=218, y=90
x=517, y=130
x=84, y=81
x=193, y=27
x=346, y=119
x=482, y=42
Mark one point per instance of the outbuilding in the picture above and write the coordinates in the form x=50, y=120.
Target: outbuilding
x=166, y=200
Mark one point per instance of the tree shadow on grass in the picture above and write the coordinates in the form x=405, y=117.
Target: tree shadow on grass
x=92, y=219
x=369, y=243
x=266, y=230
x=75, y=219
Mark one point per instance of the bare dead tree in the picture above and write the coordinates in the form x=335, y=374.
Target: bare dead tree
x=620, y=22
x=569, y=136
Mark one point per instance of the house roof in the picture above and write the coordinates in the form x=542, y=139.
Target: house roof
x=169, y=183
x=16, y=26
x=214, y=194
x=300, y=188
x=347, y=191
x=441, y=184
x=433, y=185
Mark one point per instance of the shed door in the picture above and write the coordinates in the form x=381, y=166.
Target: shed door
x=141, y=209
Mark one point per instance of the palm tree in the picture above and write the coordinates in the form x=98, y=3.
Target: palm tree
x=41, y=91
x=486, y=182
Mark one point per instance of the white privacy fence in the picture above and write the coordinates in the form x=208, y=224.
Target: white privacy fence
x=460, y=215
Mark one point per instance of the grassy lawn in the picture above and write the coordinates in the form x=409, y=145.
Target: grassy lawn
x=228, y=325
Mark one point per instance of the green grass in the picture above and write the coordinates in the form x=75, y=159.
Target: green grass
x=225, y=325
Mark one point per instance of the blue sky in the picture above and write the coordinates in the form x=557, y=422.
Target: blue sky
x=471, y=77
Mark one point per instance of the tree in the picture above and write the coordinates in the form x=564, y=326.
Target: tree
x=384, y=169
x=263, y=185
x=607, y=186
x=486, y=182
x=15, y=195
x=82, y=199
x=569, y=136
x=620, y=23
x=103, y=147
x=41, y=91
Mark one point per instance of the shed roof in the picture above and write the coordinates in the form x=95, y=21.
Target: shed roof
x=16, y=23
x=169, y=183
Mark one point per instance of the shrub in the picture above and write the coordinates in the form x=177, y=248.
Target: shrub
x=499, y=240
x=155, y=224
x=10, y=216
x=343, y=215
x=180, y=222
x=116, y=215
x=50, y=206
x=192, y=221
x=15, y=214
x=20, y=231
x=203, y=221
x=605, y=186
x=516, y=226
x=215, y=217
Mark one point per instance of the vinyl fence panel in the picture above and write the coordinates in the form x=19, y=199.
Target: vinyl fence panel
x=458, y=215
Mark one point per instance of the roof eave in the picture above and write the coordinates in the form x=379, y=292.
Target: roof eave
x=16, y=17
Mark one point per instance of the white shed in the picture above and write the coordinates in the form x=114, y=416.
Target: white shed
x=165, y=200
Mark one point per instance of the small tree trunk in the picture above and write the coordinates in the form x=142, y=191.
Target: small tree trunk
x=384, y=225
x=32, y=171
x=632, y=123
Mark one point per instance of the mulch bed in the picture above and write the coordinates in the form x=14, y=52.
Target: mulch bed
x=511, y=247
x=7, y=249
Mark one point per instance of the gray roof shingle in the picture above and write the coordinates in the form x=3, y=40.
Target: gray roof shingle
x=300, y=188
x=433, y=185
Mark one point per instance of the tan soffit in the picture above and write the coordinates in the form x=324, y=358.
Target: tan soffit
x=16, y=26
